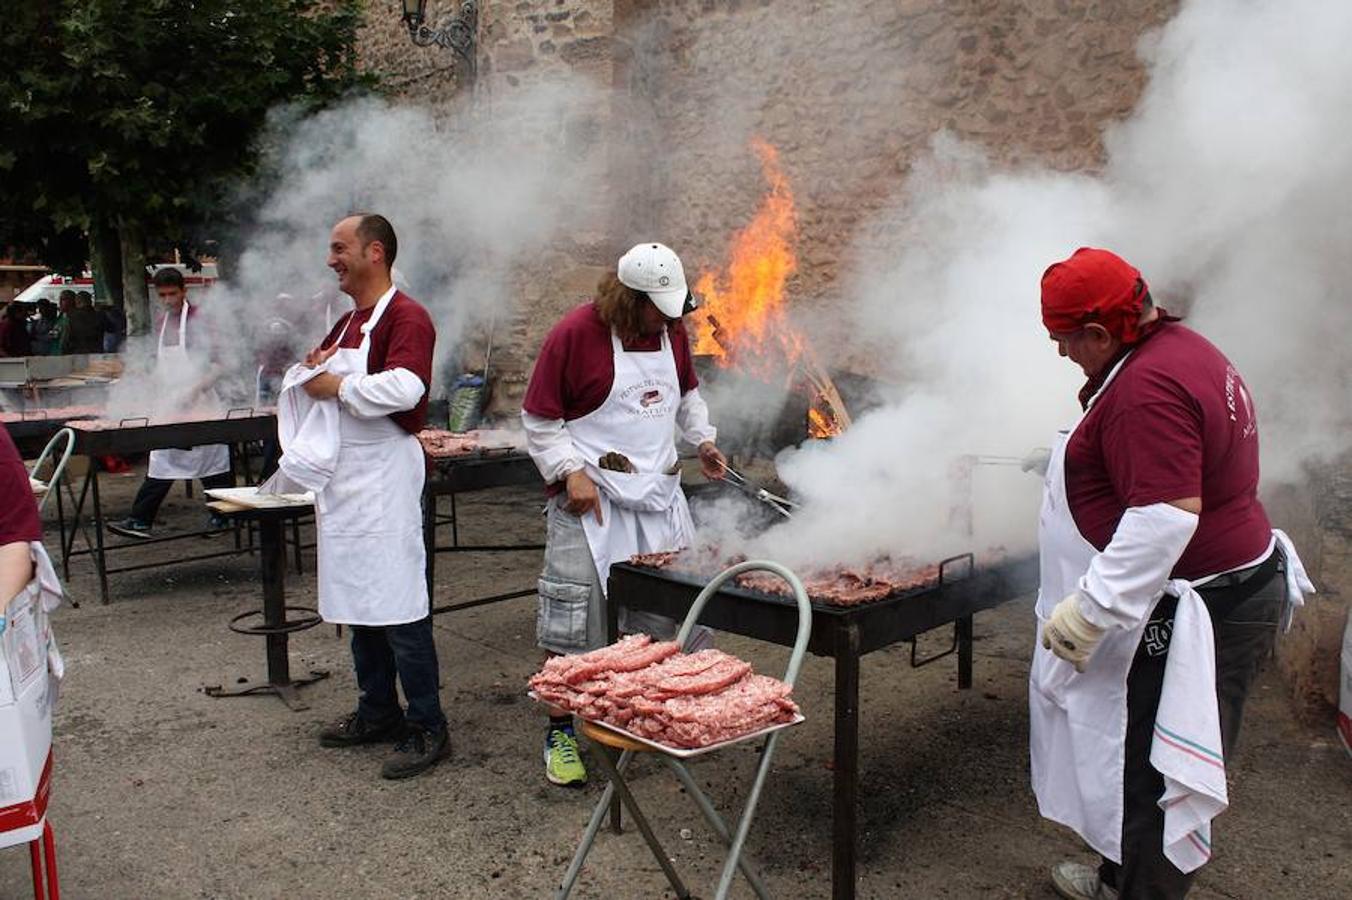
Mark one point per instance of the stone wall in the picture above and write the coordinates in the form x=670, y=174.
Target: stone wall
x=849, y=93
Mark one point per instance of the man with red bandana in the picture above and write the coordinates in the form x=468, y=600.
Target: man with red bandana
x=1159, y=590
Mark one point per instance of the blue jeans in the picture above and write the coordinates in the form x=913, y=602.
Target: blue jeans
x=379, y=652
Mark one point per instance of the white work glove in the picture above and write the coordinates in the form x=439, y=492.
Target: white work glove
x=1037, y=461
x=1069, y=634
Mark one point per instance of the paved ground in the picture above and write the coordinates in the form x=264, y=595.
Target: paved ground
x=161, y=791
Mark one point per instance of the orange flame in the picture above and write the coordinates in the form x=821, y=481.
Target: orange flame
x=742, y=319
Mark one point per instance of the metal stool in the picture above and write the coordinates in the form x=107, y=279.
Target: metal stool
x=604, y=739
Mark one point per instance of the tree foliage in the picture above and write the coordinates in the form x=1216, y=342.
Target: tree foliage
x=146, y=113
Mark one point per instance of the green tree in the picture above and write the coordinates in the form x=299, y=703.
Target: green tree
x=129, y=123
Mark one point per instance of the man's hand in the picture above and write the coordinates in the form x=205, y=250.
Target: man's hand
x=323, y=386
x=712, y=462
x=582, y=496
x=318, y=356
x=1069, y=634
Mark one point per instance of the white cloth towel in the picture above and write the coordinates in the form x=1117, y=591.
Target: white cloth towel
x=1186, y=748
x=1298, y=583
x=308, y=430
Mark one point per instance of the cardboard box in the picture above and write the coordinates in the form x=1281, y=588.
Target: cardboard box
x=26, y=696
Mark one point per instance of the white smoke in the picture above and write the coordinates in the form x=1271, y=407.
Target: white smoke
x=475, y=201
x=1228, y=188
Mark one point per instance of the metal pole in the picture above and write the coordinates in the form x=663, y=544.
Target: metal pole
x=99, y=563
x=964, y=628
x=273, y=563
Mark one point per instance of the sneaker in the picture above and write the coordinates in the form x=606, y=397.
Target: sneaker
x=1076, y=881
x=563, y=763
x=132, y=528
x=417, y=752
x=216, y=523
x=352, y=730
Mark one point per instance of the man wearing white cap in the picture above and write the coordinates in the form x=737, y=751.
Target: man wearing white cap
x=613, y=389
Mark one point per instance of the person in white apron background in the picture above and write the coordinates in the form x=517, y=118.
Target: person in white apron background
x=1160, y=591
x=377, y=362
x=180, y=358
x=612, y=391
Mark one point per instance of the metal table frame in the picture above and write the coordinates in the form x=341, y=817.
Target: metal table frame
x=453, y=475
x=842, y=633
x=275, y=625
x=141, y=438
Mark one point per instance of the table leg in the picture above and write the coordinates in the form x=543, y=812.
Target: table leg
x=964, y=627
x=99, y=562
x=273, y=564
x=845, y=816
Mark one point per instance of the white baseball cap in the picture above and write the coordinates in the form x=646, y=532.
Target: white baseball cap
x=656, y=270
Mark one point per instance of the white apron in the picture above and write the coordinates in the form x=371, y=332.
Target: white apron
x=369, y=515
x=173, y=368
x=1078, y=721
x=645, y=511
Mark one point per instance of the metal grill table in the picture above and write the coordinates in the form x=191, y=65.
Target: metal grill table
x=140, y=436
x=31, y=431
x=844, y=633
x=477, y=471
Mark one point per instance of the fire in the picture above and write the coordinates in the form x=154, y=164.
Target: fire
x=742, y=320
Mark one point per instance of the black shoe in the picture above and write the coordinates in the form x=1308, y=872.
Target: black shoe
x=417, y=752
x=352, y=730
x=132, y=528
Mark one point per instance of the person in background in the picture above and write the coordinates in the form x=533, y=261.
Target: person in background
x=114, y=328
x=64, y=304
x=14, y=337
x=179, y=359
x=614, y=386
x=1156, y=557
x=377, y=362
x=84, y=327
x=43, y=328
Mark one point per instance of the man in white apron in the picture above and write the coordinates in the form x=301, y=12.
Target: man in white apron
x=1159, y=593
x=613, y=389
x=182, y=370
x=377, y=362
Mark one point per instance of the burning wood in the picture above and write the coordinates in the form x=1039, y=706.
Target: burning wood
x=834, y=585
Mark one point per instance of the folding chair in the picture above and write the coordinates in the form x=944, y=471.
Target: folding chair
x=603, y=739
x=44, y=489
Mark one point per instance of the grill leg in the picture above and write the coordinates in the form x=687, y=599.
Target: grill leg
x=844, y=823
x=100, y=563
x=430, y=539
x=964, y=628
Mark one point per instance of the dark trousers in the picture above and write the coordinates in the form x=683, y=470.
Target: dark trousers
x=153, y=491
x=379, y=653
x=1244, y=617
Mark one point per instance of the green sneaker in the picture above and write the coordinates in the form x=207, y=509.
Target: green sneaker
x=563, y=765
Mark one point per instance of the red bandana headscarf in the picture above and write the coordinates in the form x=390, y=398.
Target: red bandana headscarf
x=1093, y=287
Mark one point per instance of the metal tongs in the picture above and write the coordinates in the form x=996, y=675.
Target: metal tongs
x=781, y=505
